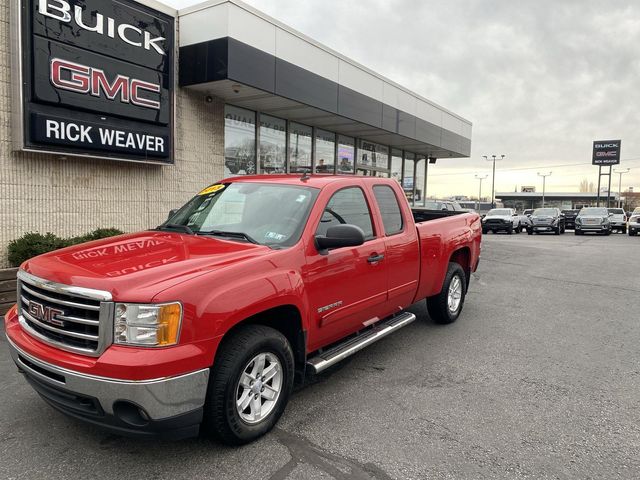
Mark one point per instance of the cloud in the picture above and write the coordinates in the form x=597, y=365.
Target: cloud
x=539, y=80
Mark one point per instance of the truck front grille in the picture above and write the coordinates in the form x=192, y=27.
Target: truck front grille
x=71, y=318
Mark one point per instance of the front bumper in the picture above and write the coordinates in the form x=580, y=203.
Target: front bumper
x=543, y=228
x=593, y=228
x=167, y=407
x=633, y=227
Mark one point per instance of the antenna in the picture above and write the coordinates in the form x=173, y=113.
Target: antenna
x=305, y=176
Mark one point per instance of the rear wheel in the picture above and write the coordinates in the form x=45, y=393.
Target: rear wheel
x=530, y=232
x=446, y=306
x=250, y=384
x=624, y=230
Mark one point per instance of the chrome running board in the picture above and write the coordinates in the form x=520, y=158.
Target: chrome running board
x=343, y=350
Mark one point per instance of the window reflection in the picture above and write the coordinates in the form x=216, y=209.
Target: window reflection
x=325, y=151
x=299, y=148
x=272, y=144
x=239, y=141
x=396, y=165
x=373, y=155
x=346, y=154
x=407, y=178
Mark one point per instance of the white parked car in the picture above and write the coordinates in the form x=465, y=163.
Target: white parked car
x=618, y=219
x=633, y=226
x=501, y=219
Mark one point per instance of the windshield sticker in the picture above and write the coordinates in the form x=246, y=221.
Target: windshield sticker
x=275, y=236
x=301, y=198
x=212, y=189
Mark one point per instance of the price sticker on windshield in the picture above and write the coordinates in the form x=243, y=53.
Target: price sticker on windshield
x=212, y=189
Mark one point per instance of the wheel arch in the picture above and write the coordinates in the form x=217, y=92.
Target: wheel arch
x=287, y=320
x=462, y=256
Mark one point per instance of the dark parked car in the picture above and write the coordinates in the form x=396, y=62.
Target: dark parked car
x=546, y=220
x=593, y=219
x=570, y=218
x=634, y=223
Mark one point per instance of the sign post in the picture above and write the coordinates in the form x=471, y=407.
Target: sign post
x=94, y=78
x=605, y=153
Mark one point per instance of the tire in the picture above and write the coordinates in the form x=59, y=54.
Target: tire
x=632, y=234
x=438, y=305
x=235, y=356
x=608, y=232
x=510, y=230
x=556, y=231
x=624, y=230
x=529, y=232
x=484, y=231
x=517, y=229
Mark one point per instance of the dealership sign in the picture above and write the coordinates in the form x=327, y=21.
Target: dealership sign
x=606, y=152
x=96, y=79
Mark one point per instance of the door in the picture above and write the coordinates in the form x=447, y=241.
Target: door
x=402, y=255
x=347, y=288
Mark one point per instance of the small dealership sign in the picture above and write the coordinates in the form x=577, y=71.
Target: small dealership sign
x=94, y=78
x=606, y=152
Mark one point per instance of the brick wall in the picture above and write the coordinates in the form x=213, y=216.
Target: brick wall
x=44, y=193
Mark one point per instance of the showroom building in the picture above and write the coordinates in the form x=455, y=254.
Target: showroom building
x=113, y=113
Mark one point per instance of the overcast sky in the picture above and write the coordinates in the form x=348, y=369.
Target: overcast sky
x=540, y=80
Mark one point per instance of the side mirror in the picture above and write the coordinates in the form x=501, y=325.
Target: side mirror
x=172, y=213
x=345, y=235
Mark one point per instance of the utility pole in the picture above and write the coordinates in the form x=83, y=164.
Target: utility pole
x=544, y=184
x=493, y=178
x=620, y=172
x=479, y=177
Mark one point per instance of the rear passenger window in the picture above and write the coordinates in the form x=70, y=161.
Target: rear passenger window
x=389, y=209
x=347, y=206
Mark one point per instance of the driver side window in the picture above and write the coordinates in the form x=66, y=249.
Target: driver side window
x=347, y=206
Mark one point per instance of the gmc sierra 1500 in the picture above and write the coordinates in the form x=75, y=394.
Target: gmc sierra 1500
x=207, y=320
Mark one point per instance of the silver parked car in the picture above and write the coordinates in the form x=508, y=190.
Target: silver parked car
x=593, y=219
x=618, y=219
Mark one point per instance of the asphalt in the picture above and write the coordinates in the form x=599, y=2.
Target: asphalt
x=539, y=378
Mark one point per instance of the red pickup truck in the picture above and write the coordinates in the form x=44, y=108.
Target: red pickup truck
x=208, y=320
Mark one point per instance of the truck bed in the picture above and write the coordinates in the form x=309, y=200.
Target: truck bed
x=444, y=236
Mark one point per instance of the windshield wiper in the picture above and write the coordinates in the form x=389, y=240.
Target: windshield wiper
x=175, y=226
x=224, y=233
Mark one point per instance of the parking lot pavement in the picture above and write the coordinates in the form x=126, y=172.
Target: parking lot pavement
x=539, y=378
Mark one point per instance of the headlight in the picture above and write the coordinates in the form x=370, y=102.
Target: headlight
x=147, y=325
x=578, y=221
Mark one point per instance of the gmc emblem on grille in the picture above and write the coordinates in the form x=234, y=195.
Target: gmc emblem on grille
x=45, y=314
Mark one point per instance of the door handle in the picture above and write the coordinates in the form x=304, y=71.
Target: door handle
x=374, y=258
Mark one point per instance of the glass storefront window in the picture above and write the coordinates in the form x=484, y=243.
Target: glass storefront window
x=325, y=151
x=420, y=168
x=396, y=165
x=407, y=177
x=273, y=138
x=239, y=141
x=299, y=148
x=373, y=155
x=346, y=154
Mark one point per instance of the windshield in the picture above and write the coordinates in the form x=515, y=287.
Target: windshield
x=499, y=211
x=594, y=211
x=617, y=211
x=544, y=212
x=430, y=205
x=268, y=214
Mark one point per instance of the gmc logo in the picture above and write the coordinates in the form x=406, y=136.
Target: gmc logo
x=93, y=81
x=45, y=314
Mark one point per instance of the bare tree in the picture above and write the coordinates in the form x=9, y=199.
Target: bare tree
x=586, y=186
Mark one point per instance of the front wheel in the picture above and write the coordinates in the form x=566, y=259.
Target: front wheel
x=250, y=384
x=446, y=306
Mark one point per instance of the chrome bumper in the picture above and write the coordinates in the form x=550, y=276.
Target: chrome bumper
x=160, y=398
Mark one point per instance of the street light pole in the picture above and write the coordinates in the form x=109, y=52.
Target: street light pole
x=544, y=184
x=621, y=172
x=480, y=190
x=493, y=178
